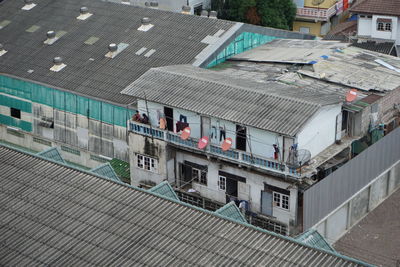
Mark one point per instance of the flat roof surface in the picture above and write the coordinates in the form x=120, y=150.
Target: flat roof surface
x=51, y=214
x=376, y=238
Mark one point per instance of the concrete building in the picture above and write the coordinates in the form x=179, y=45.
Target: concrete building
x=54, y=214
x=63, y=65
x=318, y=16
x=289, y=95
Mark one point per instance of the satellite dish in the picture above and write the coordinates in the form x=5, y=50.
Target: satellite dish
x=186, y=133
x=317, y=2
x=303, y=156
x=226, y=145
x=203, y=142
x=351, y=95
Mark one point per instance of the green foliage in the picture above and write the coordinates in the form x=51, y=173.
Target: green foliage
x=271, y=13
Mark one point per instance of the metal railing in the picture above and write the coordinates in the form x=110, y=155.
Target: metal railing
x=251, y=217
x=316, y=13
x=232, y=154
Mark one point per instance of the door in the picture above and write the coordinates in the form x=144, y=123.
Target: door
x=231, y=189
x=169, y=117
x=241, y=137
x=266, y=202
x=205, y=126
x=287, y=143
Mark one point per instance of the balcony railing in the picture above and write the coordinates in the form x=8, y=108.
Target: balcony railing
x=316, y=13
x=232, y=154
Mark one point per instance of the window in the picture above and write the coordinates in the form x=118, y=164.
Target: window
x=281, y=200
x=199, y=176
x=222, y=183
x=304, y=29
x=16, y=113
x=146, y=163
x=384, y=25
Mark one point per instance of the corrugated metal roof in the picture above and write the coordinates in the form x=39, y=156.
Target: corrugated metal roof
x=175, y=39
x=164, y=189
x=272, y=106
x=52, y=214
x=313, y=238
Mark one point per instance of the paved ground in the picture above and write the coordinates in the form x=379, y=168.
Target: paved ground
x=376, y=238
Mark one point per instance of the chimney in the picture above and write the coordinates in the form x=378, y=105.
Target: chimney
x=28, y=5
x=213, y=14
x=154, y=4
x=58, y=64
x=2, y=50
x=204, y=13
x=84, y=13
x=146, y=25
x=186, y=10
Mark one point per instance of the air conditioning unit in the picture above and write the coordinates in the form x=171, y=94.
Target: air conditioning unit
x=46, y=122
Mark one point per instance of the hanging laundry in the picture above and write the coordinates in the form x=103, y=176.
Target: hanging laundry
x=181, y=125
x=276, y=151
x=213, y=132
x=163, y=123
x=222, y=133
x=182, y=118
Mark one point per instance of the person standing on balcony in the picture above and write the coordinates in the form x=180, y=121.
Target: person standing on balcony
x=137, y=117
x=145, y=119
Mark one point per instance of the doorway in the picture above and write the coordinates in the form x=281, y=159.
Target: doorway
x=205, y=126
x=241, y=137
x=169, y=117
x=266, y=202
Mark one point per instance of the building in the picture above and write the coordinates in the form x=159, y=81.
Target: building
x=196, y=6
x=63, y=65
x=283, y=108
x=318, y=16
x=54, y=214
x=378, y=22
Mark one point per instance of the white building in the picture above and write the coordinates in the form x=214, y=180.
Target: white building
x=378, y=19
x=256, y=116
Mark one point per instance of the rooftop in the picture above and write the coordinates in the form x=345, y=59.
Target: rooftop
x=379, y=7
x=281, y=107
x=53, y=214
x=87, y=66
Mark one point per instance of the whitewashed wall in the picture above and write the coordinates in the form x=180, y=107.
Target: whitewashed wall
x=319, y=132
x=391, y=35
x=364, y=26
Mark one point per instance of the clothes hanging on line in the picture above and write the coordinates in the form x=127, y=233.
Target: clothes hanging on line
x=182, y=118
x=181, y=125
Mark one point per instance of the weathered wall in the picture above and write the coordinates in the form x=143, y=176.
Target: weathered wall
x=153, y=148
x=251, y=190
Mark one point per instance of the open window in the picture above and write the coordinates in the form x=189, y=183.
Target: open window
x=15, y=113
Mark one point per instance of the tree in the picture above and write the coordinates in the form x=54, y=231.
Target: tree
x=271, y=13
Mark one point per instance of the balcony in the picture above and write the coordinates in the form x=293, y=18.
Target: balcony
x=316, y=13
x=238, y=156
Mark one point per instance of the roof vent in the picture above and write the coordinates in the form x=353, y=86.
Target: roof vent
x=51, y=38
x=58, y=64
x=2, y=50
x=213, y=14
x=84, y=13
x=146, y=25
x=154, y=4
x=28, y=5
x=204, y=13
x=147, y=4
x=115, y=49
x=186, y=10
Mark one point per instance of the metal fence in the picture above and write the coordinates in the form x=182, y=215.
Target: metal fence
x=328, y=194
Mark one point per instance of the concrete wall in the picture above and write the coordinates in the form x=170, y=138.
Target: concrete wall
x=153, y=148
x=319, y=132
x=364, y=26
x=37, y=143
x=339, y=221
x=250, y=191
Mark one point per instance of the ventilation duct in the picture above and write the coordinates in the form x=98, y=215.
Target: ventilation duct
x=186, y=10
x=213, y=14
x=84, y=13
x=58, y=64
x=204, y=13
x=51, y=38
x=146, y=25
